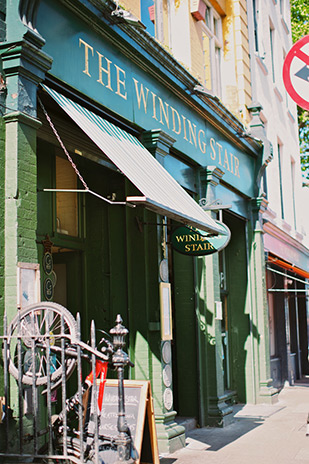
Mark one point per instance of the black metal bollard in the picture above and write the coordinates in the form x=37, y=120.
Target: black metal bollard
x=120, y=359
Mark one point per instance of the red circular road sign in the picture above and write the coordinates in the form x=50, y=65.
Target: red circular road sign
x=296, y=72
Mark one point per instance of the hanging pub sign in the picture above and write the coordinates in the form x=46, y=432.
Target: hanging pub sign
x=194, y=242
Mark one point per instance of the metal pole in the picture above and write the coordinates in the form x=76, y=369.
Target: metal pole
x=120, y=359
x=287, y=332
x=297, y=333
x=6, y=384
x=20, y=388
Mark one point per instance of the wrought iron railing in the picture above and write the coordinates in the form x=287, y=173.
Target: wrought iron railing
x=41, y=349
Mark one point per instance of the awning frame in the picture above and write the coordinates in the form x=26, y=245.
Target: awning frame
x=107, y=200
x=169, y=199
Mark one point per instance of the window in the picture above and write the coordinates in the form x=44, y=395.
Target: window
x=212, y=50
x=264, y=184
x=272, y=51
x=293, y=191
x=255, y=23
x=259, y=46
x=280, y=179
x=282, y=8
x=66, y=203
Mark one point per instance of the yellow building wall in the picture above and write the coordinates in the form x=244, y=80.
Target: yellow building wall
x=131, y=5
x=236, y=55
x=236, y=94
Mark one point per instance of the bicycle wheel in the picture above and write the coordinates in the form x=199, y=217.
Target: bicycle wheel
x=39, y=322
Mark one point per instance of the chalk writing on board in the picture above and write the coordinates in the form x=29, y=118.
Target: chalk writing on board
x=109, y=412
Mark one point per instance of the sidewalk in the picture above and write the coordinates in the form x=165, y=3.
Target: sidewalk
x=268, y=434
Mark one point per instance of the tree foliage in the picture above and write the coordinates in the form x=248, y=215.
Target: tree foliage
x=300, y=28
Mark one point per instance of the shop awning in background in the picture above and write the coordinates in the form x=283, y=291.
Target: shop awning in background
x=160, y=192
x=289, y=267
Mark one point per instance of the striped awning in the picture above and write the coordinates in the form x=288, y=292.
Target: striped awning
x=160, y=192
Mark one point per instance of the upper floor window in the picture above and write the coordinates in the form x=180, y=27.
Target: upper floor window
x=258, y=30
x=282, y=7
x=285, y=14
x=293, y=191
x=280, y=172
x=255, y=23
x=272, y=50
x=212, y=50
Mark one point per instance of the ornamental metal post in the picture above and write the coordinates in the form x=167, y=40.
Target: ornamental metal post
x=119, y=360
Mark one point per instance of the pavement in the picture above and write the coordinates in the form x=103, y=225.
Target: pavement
x=259, y=434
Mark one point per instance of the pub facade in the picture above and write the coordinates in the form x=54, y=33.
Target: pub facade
x=109, y=148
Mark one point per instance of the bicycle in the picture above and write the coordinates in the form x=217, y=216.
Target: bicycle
x=42, y=350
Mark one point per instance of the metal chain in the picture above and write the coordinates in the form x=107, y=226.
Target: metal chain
x=62, y=145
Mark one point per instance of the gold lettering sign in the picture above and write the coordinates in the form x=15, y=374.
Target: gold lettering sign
x=113, y=77
x=192, y=242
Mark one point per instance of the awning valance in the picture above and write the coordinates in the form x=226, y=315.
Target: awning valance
x=161, y=193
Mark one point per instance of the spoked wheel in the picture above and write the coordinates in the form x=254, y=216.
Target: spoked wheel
x=30, y=333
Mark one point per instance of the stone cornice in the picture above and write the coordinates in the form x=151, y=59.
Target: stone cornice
x=24, y=58
x=18, y=116
x=278, y=233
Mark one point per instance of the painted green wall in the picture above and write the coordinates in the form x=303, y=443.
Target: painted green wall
x=185, y=355
x=114, y=269
x=238, y=320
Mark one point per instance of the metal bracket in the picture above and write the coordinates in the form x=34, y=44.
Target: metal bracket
x=215, y=205
x=111, y=202
x=141, y=224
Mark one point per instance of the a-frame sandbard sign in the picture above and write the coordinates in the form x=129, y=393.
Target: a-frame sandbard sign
x=139, y=415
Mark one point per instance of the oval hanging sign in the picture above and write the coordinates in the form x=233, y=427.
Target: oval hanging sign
x=194, y=242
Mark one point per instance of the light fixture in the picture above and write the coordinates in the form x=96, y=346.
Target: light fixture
x=127, y=17
x=201, y=89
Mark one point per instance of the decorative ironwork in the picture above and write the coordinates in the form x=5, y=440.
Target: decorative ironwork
x=41, y=347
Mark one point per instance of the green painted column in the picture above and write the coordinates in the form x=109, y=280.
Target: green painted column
x=171, y=436
x=24, y=66
x=214, y=410
x=261, y=382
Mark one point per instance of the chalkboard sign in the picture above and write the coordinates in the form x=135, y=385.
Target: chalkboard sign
x=139, y=415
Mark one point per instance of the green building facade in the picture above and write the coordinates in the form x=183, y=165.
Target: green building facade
x=113, y=258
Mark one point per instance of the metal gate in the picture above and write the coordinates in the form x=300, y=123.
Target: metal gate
x=44, y=358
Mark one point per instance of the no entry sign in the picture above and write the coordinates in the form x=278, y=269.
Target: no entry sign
x=296, y=72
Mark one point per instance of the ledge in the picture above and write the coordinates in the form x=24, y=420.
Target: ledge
x=278, y=94
x=285, y=26
x=262, y=65
x=291, y=117
x=23, y=118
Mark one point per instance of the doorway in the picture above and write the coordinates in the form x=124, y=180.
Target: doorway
x=68, y=290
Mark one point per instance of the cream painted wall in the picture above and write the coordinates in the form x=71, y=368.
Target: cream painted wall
x=280, y=116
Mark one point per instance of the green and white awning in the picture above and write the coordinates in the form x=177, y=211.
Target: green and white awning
x=160, y=192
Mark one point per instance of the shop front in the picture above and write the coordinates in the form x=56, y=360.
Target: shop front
x=113, y=150
x=287, y=287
